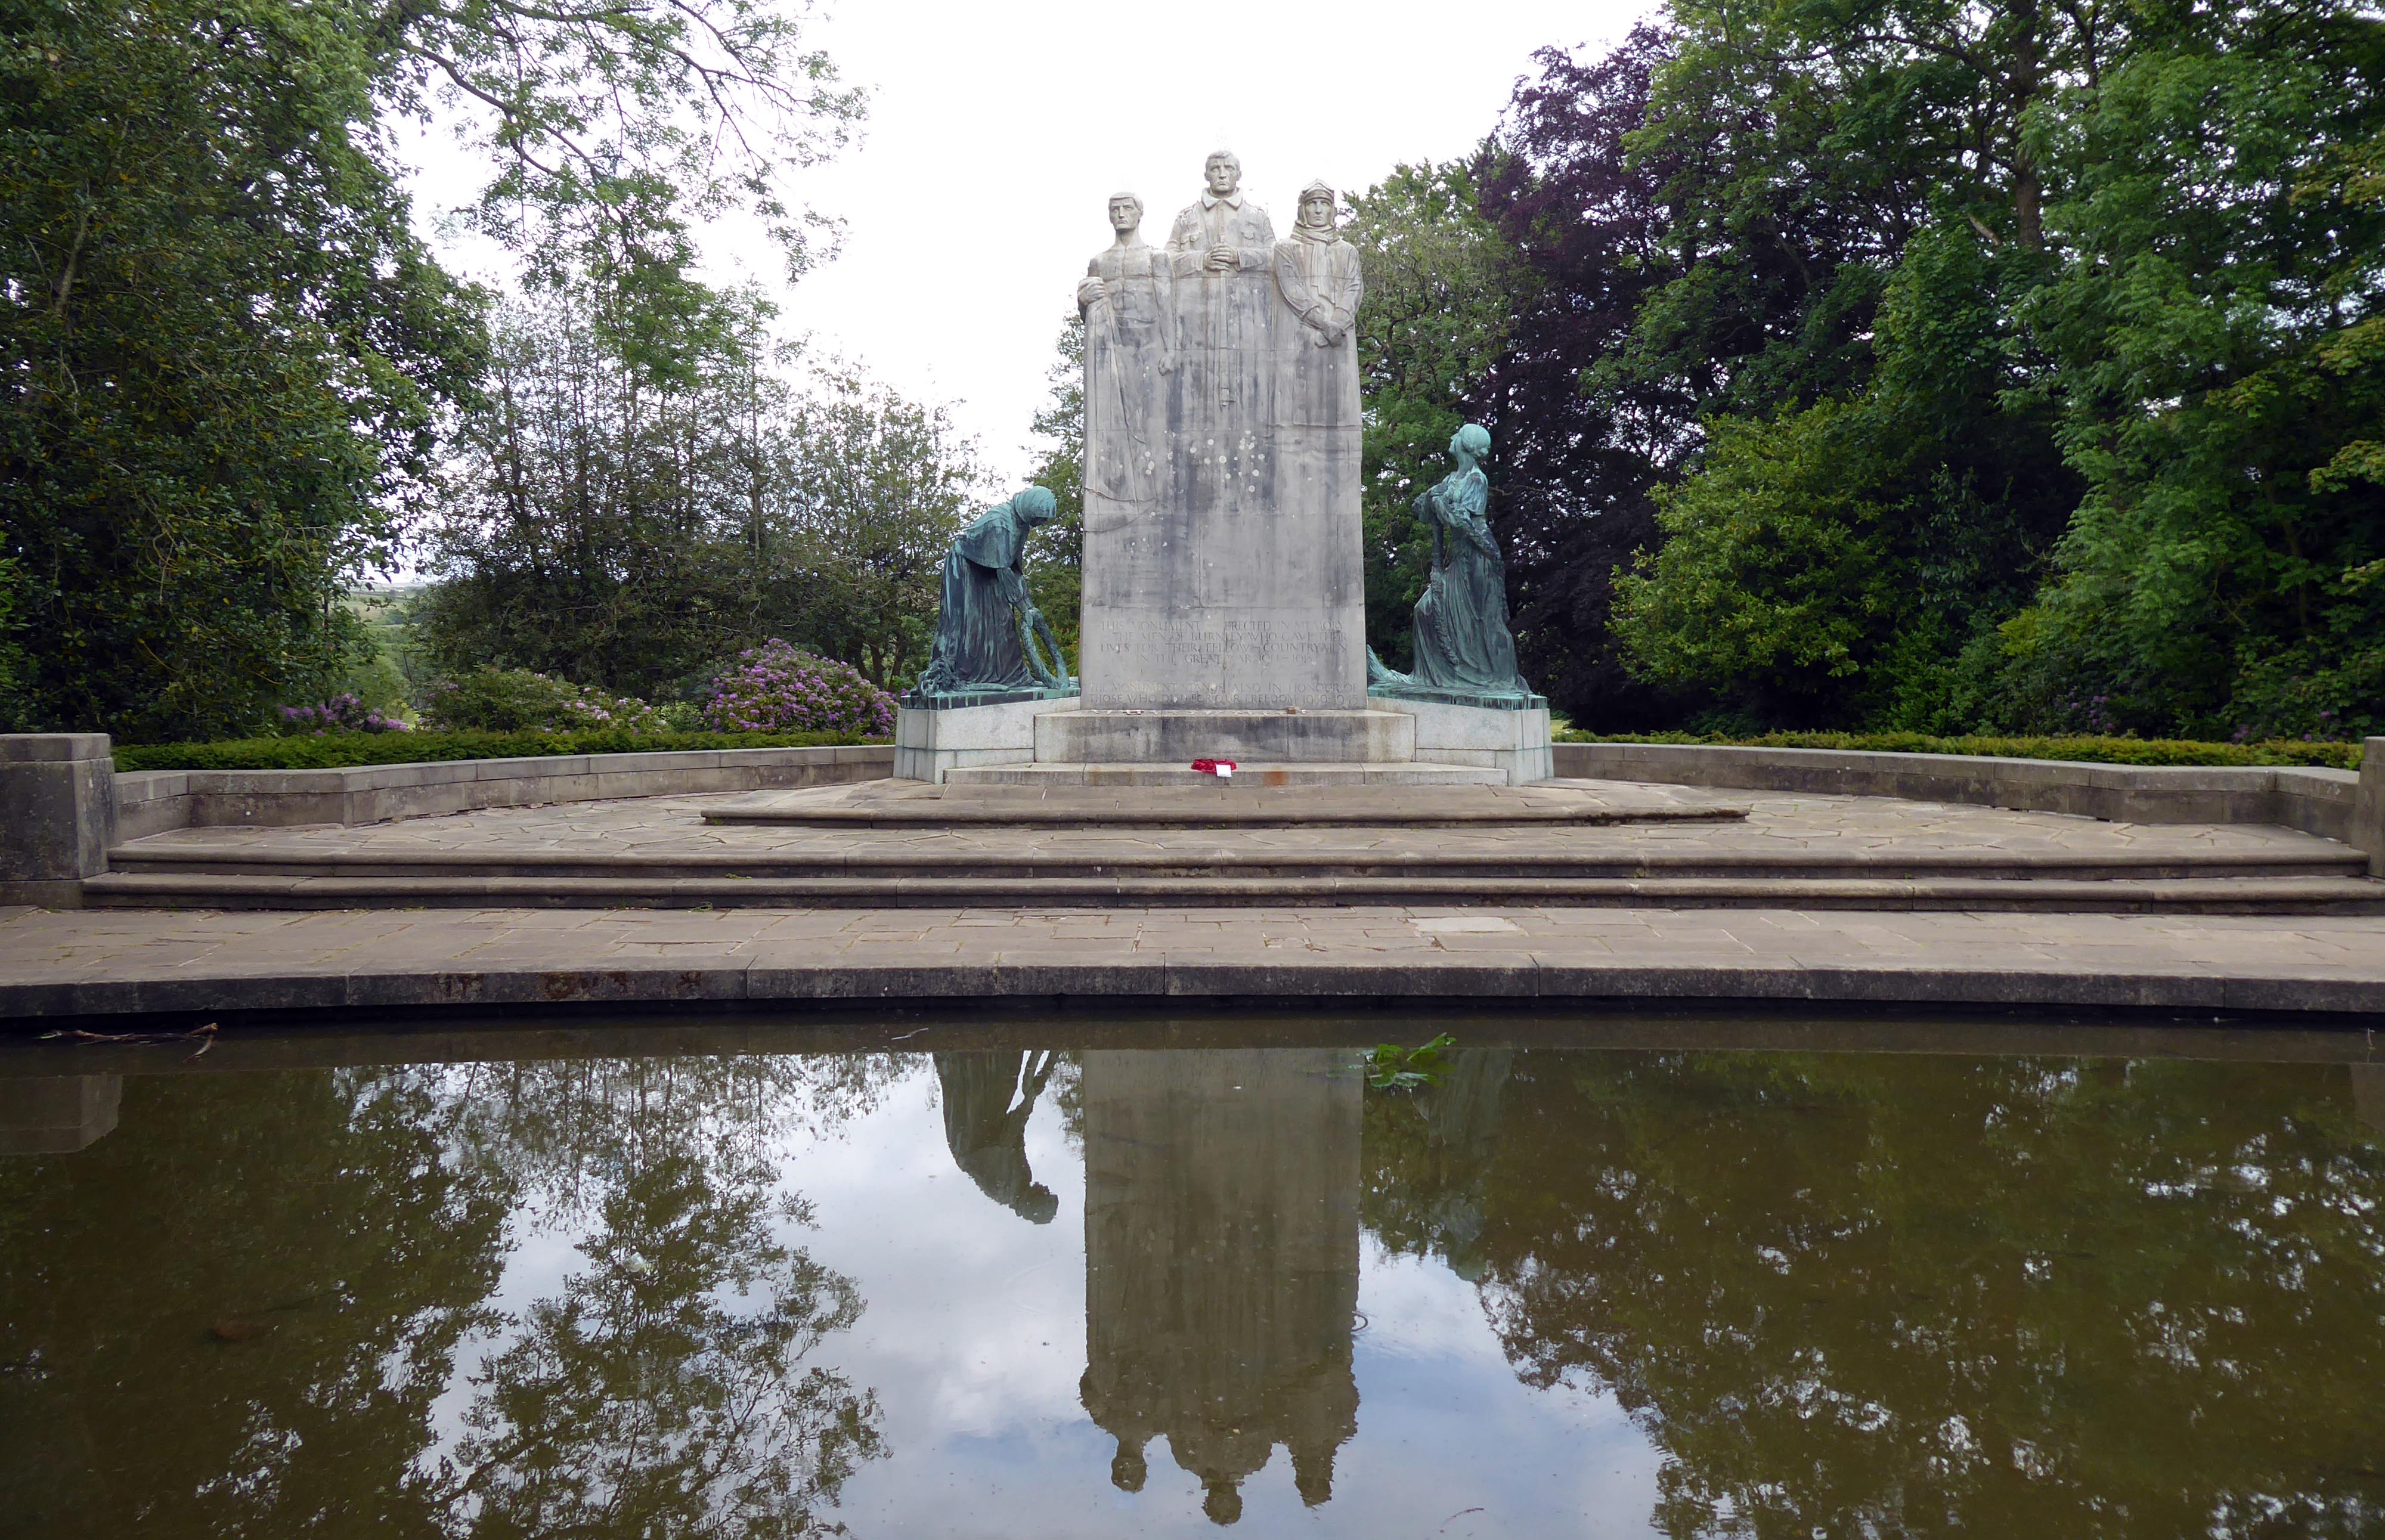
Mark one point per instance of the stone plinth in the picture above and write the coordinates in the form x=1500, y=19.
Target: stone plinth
x=57, y=815
x=1506, y=733
x=1180, y=737
x=1250, y=775
x=936, y=735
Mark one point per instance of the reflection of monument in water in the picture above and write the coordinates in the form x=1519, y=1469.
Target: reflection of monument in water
x=988, y=1098
x=1222, y=1262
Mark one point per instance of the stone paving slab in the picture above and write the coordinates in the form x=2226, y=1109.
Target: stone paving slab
x=1784, y=824
x=102, y=962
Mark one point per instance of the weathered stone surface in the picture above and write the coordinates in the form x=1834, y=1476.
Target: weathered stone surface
x=1222, y=564
x=111, y=962
x=1515, y=739
x=1177, y=738
x=930, y=739
x=57, y=814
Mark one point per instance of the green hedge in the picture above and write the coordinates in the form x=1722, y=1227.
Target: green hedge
x=334, y=750
x=2102, y=751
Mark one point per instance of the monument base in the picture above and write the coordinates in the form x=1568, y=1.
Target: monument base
x=1506, y=732
x=1392, y=743
x=1178, y=738
x=936, y=735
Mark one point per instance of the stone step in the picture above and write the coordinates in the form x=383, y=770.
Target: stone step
x=1237, y=803
x=2192, y=896
x=1247, y=773
x=1579, y=860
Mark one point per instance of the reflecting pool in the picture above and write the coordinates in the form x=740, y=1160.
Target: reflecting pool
x=1052, y=1286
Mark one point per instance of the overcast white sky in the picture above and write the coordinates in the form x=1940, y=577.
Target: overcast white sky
x=996, y=132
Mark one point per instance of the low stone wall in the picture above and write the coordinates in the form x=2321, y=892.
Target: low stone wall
x=2337, y=805
x=150, y=802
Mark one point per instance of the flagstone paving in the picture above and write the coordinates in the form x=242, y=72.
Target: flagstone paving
x=104, y=961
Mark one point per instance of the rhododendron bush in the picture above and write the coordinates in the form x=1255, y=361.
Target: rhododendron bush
x=778, y=687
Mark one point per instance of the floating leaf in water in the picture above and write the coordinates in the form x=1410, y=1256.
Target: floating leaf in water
x=1394, y=1067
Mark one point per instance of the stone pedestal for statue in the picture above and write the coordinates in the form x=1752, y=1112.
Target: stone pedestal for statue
x=935, y=735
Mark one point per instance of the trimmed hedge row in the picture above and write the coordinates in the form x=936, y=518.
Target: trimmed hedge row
x=2102, y=751
x=338, y=750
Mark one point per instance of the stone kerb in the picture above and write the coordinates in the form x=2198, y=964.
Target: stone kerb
x=153, y=802
x=57, y=815
x=2315, y=801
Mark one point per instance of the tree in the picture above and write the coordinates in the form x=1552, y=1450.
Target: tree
x=1577, y=445
x=1441, y=298
x=223, y=356
x=2221, y=328
x=628, y=524
x=1056, y=570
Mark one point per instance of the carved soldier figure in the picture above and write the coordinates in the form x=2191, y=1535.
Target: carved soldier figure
x=1317, y=272
x=1216, y=241
x=1127, y=299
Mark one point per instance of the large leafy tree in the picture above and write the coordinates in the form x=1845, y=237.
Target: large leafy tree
x=222, y=353
x=223, y=356
x=630, y=524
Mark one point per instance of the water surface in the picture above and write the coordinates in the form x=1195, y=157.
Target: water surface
x=1069, y=1290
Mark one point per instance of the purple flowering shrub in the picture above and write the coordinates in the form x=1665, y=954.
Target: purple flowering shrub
x=779, y=688
x=516, y=700
x=342, y=713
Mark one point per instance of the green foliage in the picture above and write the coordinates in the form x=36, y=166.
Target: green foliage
x=777, y=688
x=333, y=751
x=1055, y=554
x=224, y=354
x=2102, y=751
x=1392, y=1068
x=516, y=700
x=1442, y=292
x=2223, y=379
x=630, y=528
x=2021, y=366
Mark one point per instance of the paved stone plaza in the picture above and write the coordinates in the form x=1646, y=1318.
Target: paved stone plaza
x=1882, y=831
x=101, y=960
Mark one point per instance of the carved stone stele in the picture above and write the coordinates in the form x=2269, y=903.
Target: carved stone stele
x=1222, y=558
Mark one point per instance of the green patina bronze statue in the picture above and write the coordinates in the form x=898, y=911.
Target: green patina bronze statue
x=988, y=631
x=1463, y=645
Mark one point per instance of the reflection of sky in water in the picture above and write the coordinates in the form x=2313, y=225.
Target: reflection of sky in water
x=974, y=1338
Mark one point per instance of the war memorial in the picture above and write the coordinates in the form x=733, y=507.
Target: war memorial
x=1225, y=795
x=1224, y=601
x=1219, y=1081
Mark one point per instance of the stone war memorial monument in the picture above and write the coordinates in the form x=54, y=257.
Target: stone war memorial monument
x=1224, y=611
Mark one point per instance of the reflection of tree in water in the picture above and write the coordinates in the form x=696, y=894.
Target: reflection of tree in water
x=987, y=1099
x=237, y=1313
x=1867, y=1296
x=637, y=1402
x=1429, y=1158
